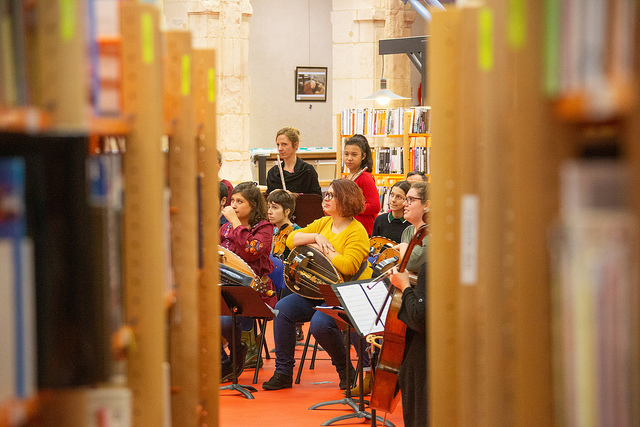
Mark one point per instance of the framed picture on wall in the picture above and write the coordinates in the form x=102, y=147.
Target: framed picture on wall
x=311, y=84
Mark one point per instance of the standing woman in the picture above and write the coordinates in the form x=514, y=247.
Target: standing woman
x=344, y=241
x=416, y=204
x=357, y=156
x=412, y=376
x=248, y=234
x=299, y=176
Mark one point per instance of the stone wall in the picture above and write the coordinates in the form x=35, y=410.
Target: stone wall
x=357, y=67
x=224, y=26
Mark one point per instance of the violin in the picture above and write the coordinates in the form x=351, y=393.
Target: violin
x=385, y=392
x=280, y=241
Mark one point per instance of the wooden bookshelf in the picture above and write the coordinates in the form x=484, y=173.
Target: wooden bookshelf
x=387, y=141
x=501, y=141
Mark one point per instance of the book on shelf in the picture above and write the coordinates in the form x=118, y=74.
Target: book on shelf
x=17, y=294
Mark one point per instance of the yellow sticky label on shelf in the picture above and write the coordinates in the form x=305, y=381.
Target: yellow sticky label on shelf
x=517, y=27
x=147, y=38
x=186, y=74
x=67, y=19
x=485, y=39
x=212, y=84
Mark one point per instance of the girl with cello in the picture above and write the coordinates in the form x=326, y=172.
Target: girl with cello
x=416, y=205
x=345, y=243
x=357, y=158
x=248, y=234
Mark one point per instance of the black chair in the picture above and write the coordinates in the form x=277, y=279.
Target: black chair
x=308, y=209
x=304, y=356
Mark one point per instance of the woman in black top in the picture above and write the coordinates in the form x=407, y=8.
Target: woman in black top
x=299, y=176
x=412, y=376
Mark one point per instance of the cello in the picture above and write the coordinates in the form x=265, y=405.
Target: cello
x=385, y=392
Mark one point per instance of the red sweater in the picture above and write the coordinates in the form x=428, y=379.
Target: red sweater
x=372, y=201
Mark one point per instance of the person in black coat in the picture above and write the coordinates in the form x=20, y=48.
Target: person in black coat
x=412, y=376
x=299, y=176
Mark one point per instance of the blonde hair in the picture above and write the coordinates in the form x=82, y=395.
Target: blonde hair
x=292, y=135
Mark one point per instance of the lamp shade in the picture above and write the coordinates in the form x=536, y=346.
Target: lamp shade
x=383, y=95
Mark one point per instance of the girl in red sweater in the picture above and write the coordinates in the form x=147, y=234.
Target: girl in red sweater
x=357, y=156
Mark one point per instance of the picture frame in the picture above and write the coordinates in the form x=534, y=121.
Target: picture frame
x=311, y=84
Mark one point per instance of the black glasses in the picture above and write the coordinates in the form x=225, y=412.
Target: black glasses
x=409, y=199
x=327, y=195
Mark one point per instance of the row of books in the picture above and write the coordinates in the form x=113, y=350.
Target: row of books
x=390, y=160
x=21, y=67
x=592, y=54
x=372, y=122
x=594, y=253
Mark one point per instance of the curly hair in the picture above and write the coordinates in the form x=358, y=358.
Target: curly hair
x=292, y=135
x=250, y=191
x=283, y=198
x=348, y=196
x=361, y=142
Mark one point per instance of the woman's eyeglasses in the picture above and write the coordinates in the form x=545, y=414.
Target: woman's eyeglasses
x=409, y=200
x=327, y=195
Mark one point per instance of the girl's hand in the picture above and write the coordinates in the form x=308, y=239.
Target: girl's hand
x=231, y=216
x=400, y=280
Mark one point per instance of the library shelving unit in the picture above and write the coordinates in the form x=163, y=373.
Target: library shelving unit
x=506, y=131
x=406, y=141
x=106, y=265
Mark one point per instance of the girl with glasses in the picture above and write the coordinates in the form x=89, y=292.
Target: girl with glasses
x=357, y=156
x=248, y=234
x=416, y=204
x=391, y=224
x=345, y=243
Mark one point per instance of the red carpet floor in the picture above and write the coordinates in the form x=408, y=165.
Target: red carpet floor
x=290, y=407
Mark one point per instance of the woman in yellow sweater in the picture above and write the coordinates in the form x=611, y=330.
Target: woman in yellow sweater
x=346, y=243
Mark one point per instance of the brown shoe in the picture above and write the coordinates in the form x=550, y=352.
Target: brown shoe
x=367, y=386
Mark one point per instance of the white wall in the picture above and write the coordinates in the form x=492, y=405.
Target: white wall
x=285, y=34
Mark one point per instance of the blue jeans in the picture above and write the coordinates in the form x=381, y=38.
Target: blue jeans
x=294, y=309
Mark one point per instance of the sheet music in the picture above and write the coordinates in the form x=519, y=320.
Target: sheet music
x=362, y=301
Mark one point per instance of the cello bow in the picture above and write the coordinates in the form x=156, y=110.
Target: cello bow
x=385, y=392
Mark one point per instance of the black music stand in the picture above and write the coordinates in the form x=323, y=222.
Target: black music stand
x=343, y=322
x=242, y=301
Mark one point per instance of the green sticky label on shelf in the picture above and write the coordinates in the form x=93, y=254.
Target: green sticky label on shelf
x=517, y=27
x=551, y=55
x=485, y=39
x=212, y=84
x=147, y=38
x=186, y=74
x=67, y=19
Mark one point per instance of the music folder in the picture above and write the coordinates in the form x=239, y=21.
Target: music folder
x=362, y=300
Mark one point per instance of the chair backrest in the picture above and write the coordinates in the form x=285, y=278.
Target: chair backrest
x=308, y=209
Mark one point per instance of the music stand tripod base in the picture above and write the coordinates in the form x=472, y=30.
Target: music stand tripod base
x=247, y=302
x=358, y=408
